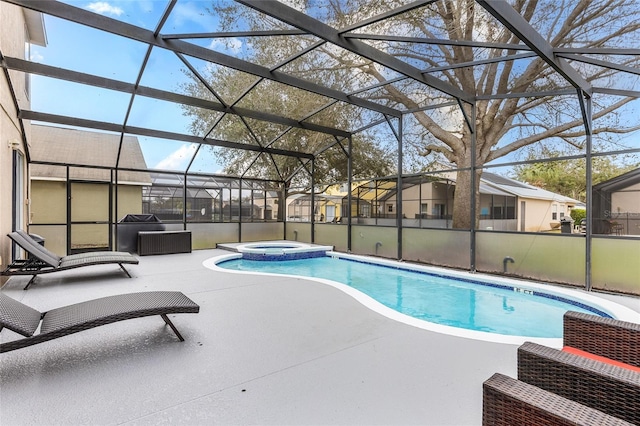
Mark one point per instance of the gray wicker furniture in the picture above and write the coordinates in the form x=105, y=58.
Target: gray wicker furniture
x=42, y=261
x=70, y=319
x=511, y=402
x=602, y=385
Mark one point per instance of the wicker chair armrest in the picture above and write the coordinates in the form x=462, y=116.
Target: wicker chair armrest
x=608, y=388
x=507, y=402
x=615, y=339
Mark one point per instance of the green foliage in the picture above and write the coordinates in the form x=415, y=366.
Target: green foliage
x=504, y=124
x=568, y=177
x=577, y=215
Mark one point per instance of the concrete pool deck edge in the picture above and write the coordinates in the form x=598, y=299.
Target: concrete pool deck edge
x=612, y=308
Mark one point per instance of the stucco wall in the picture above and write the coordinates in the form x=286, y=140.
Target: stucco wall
x=626, y=201
x=11, y=44
x=430, y=194
x=537, y=215
x=90, y=202
x=48, y=202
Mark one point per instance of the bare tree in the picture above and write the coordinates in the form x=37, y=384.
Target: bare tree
x=432, y=38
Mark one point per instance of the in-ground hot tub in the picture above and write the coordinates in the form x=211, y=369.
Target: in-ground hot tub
x=285, y=250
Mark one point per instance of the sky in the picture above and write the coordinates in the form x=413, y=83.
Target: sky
x=91, y=51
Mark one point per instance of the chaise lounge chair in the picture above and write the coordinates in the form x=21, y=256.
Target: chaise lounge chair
x=42, y=261
x=70, y=319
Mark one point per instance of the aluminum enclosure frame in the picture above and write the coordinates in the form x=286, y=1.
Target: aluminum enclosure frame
x=533, y=45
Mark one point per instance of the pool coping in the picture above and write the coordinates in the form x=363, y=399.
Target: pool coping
x=611, y=308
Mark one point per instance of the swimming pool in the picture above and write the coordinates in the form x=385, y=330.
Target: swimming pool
x=467, y=305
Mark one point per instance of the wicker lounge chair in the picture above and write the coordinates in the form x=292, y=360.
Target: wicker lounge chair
x=70, y=319
x=510, y=402
x=42, y=261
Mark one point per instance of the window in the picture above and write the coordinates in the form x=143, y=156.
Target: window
x=390, y=208
x=424, y=208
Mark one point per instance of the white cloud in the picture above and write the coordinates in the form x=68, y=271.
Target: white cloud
x=104, y=8
x=36, y=56
x=186, y=13
x=233, y=44
x=178, y=159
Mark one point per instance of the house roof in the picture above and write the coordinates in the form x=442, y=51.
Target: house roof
x=522, y=190
x=490, y=184
x=59, y=146
x=619, y=182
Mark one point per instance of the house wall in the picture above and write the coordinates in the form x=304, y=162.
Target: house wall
x=537, y=215
x=625, y=210
x=431, y=193
x=48, y=202
x=324, y=217
x=626, y=200
x=129, y=201
x=12, y=43
x=89, y=202
x=411, y=200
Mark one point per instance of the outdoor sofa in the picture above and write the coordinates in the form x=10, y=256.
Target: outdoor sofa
x=42, y=260
x=598, y=368
x=24, y=320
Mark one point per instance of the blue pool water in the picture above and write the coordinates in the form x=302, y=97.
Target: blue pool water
x=438, y=299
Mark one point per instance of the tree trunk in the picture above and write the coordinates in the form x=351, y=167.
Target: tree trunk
x=462, y=214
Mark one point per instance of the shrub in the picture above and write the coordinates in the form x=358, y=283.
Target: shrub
x=578, y=214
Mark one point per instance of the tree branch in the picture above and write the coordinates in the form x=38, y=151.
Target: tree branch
x=555, y=131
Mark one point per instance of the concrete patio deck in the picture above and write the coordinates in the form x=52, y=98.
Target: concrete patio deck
x=262, y=350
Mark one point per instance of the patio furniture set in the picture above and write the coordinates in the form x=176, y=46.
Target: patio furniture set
x=593, y=380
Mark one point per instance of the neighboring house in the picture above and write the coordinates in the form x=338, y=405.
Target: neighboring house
x=166, y=203
x=88, y=204
x=427, y=201
x=265, y=208
x=299, y=208
x=208, y=199
x=616, y=205
x=328, y=205
x=536, y=209
x=328, y=208
x=20, y=29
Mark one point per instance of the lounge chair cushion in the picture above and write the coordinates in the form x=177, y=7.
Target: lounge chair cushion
x=23, y=239
x=594, y=357
x=115, y=308
x=18, y=317
x=95, y=258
